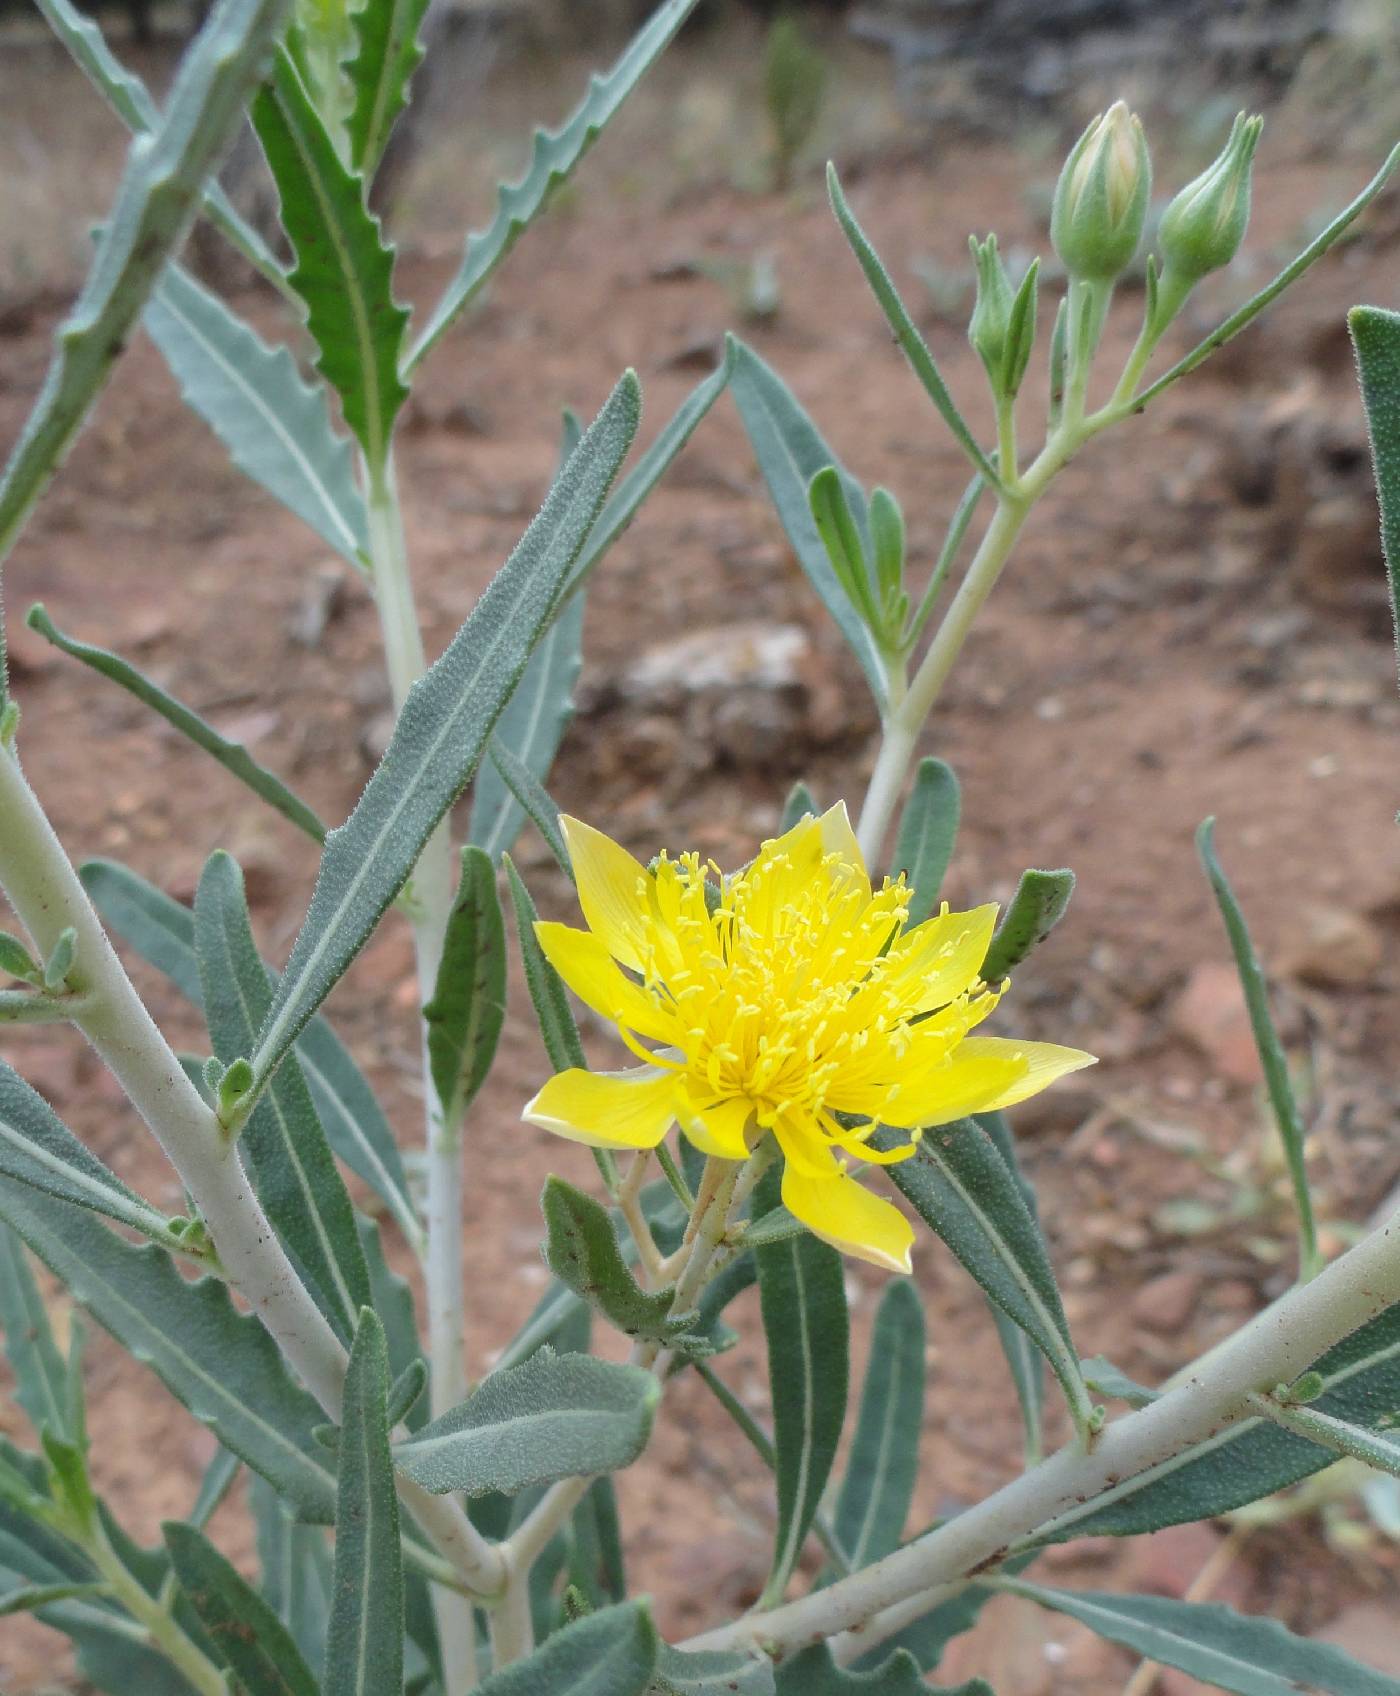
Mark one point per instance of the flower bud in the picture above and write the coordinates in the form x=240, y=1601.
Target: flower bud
x=1101, y=198
x=1203, y=227
x=991, y=316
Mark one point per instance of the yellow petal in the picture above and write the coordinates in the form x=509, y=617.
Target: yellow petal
x=838, y=838
x=585, y=964
x=937, y=960
x=845, y=1214
x=970, y=1082
x=717, y=1130
x=1044, y=1062
x=611, y=890
x=606, y=1109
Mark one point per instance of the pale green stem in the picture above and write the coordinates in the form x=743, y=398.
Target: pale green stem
x=429, y=909
x=155, y=1619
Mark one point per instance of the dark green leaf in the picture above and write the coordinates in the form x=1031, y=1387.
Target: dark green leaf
x=711, y=1673
x=468, y=1007
x=441, y=731
x=295, y=1569
x=831, y=513
x=1376, y=335
x=386, y=57
x=798, y=806
x=595, y=1561
x=557, y=1416
x=30, y=1598
x=553, y=158
x=884, y=1463
x=582, y=1251
x=213, y=1487
x=803, y=1297
x=961, y=1187
x=1253, y=1657
x=233, y=756
x=276, y=426
x=928, y=828
x=533, y=799
x=154, y=204
x=547, y=994
x=1038, y=905
x=243, y=1628
x=39, y=1372
x=345, y=271
x=1024, y=1361
x=610, y=1653
x=812, y=1672
x=293, y=1169
x=790, y=451
x=15, y=960
x=364, y=1645
x=531, y=727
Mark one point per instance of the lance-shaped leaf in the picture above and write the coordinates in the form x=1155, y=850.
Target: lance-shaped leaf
x=154, y=203
x=1376, y=336
x=707, y=1672
x=596, y=1565
x=393, y=1301
x=29, y=1598
x=387, y=54
x=364, y=1645
x=220, y=1363
x=294, y=1170
x=131, y=101
x=961, y=1187
x=803, y=1299
x=240, y=1624
x=275, y=426
x=345, y=271
x=553, y=158
x=582, y=1251
x=531, y=727
x=610, y=1653
x=41, y=1380
x=441, y=731
x=1023, y=1358
x=813, y=1672
x=556, y=1416
x=213, y=1488
x=233, y=756
x=1252, y=1458
x=928, y=828
x=38, y=1149
x=1253, y=1657
x=798, y=806
x=884, y=1462
x=161, y=930
x=468, y=1007
x=534, y=800
x=791, y=451
x=547, y=994
x=1040, y=902
x=294, y=1567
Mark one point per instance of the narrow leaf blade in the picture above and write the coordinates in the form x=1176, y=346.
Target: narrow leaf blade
x=468, y=1007
x=880, y=1475
x=928, y=829
x=386, y=57
x=1375, y=334
x=1040, y=902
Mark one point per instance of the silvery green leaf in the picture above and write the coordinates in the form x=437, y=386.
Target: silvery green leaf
x=441, y=732
x=1379, y=1449
x=790, y=451
x=243, y=1629
x=711, y=1673
x=1376, y=336
x=552, y=160
x=534, y=801
x=40, y=1377
x=388, y=52
x=293, y=1169
x=392, y=1299
x=16, y=962
x=155, y=201
x=468, y=1007
x=344, y=271
x=610, y=1653
x=275, y=425
x=294, y=1568
x=884, y=1461
x=813, y=1672
x=220, y=1363
x=1105, y=1379
x=583, y=1252
x=928, y=828
x=1252, y=1657
x=364, y=1644
x=798, y=806
x=1024, y=1360
x=557, y=1416
x=213, y=1487
x=161, y=930
x=531, y=727
x=233, y=756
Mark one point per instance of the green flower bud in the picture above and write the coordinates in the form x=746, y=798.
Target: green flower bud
x=991, y=316
x=1102, y=196
x=1203, y=227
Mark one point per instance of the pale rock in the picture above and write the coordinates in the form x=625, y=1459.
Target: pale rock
x=1210, y=1014
x=1166, y=1303
x=1333, y=949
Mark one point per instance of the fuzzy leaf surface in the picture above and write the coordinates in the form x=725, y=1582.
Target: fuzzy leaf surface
x=928, y=828
x=468, y=1007
x=610, y=1653
x=879, y=1482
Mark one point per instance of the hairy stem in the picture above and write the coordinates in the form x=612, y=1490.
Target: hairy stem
x=1277, y=1347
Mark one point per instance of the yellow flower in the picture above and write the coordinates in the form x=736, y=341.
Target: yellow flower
x=789, y=998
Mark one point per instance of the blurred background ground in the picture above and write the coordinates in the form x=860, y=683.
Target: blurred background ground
x=1196, y=624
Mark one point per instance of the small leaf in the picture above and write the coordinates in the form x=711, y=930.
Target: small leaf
x=468, y=1007
x=812, y=1672
x=1252, y=1657
x=364, y=1642
x=60, y=960
x=533, y=800
x=440, y=733
x=345, y=271
x=15, y=960
x=295, y=1570
x=1024, y=1360
x=1376, y=336
x=582, y=1251
x=275, y=425
x=405, y=1391
x=1105, y=1379
x=213, y=1487
x=31, y=1597
x=610, y=1653
x=242, y=1627
x=711, y=1673
x=547, y=995
x=831, y=513
x=884, y=1463
x=552, y=160
x=803, y=1298
x=790, y=451
x=40, y=1377
x=928, y=828
x=388, y=53
x=798, y=806
x=557, y=1416
x=1040, y=902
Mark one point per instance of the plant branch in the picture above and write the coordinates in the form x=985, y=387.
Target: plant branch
x=157, y=1622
